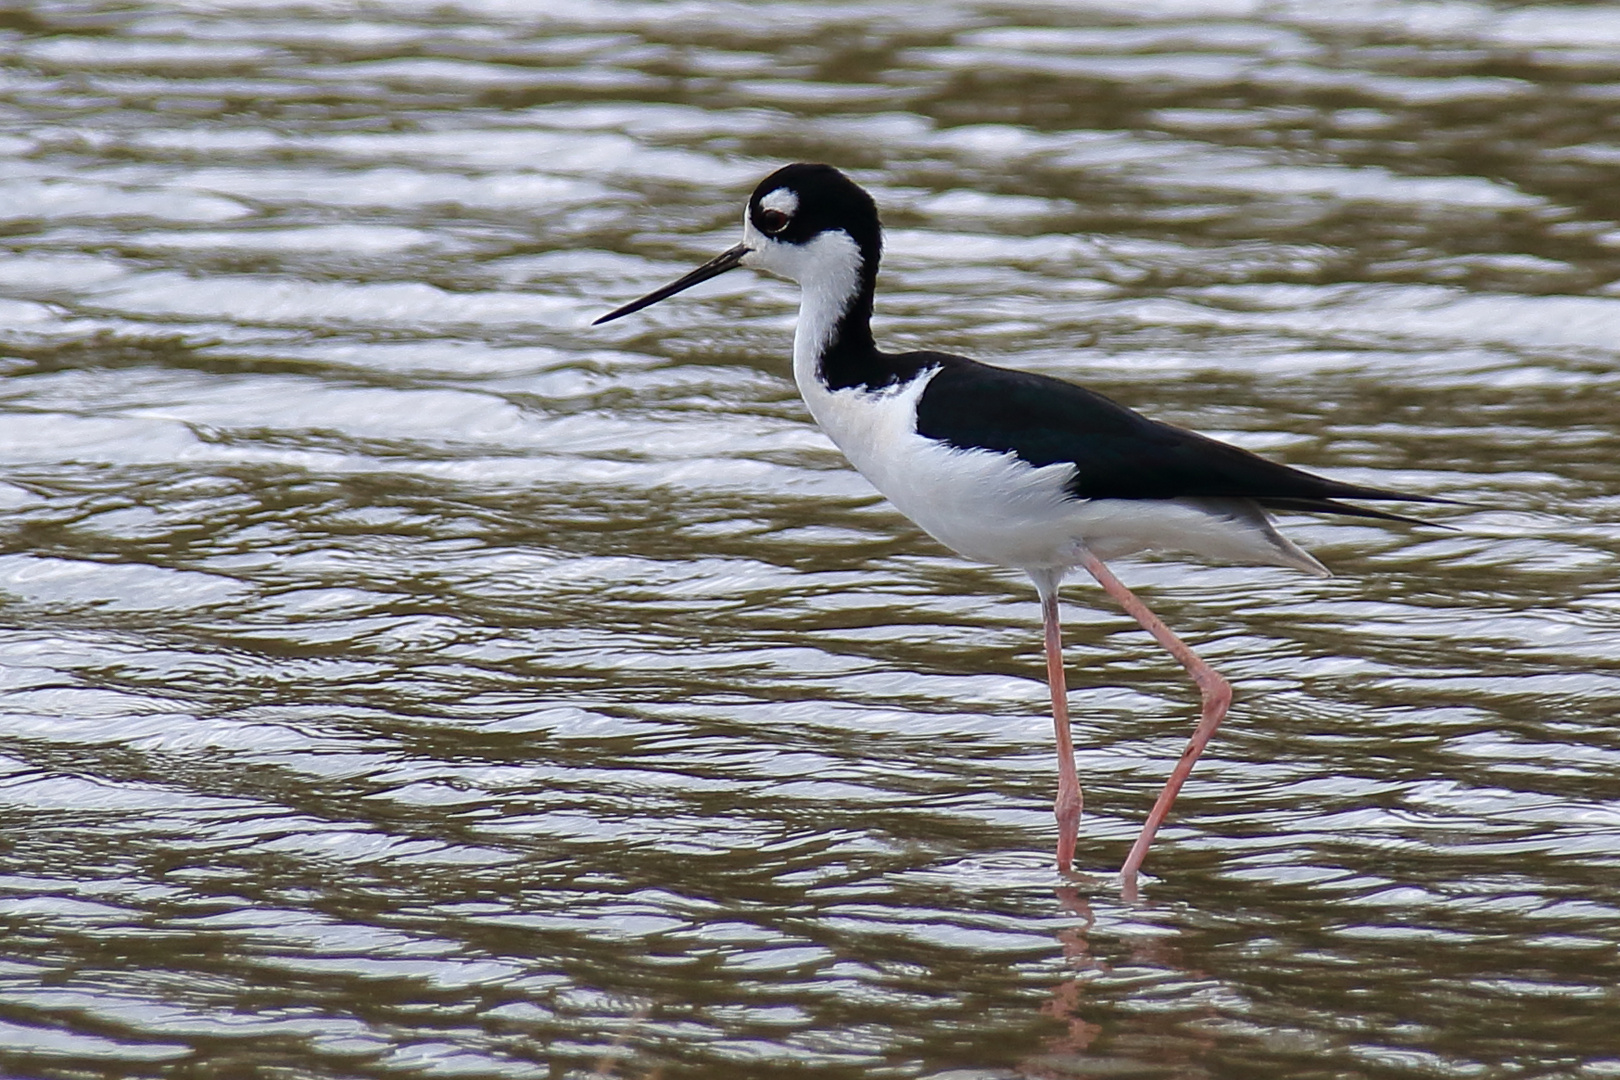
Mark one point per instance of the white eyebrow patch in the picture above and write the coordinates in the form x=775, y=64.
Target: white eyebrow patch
x=785, y=200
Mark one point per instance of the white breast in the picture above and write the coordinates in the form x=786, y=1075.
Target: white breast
x=988, y=506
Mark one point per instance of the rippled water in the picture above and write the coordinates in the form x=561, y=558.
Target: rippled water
x=402, y=678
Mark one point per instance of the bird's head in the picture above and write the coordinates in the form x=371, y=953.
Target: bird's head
x=808, y=223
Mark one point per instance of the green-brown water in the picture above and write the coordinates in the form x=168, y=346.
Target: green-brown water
x=400, y=678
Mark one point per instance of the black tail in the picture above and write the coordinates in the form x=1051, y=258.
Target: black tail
x=1333, y=506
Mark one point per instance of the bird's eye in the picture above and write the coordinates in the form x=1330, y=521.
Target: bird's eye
x=772, y=221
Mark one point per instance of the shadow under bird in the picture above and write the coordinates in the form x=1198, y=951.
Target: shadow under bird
x=1010, y=467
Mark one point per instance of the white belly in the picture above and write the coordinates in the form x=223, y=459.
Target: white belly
x=994, y=507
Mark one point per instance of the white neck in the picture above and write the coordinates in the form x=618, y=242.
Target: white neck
x=829, y=276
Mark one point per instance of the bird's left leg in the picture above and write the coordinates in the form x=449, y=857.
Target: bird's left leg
x=1069, y=801
x=1215, y=691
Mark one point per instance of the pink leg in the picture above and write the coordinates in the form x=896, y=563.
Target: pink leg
x=1067, y=808
x=1216, y=692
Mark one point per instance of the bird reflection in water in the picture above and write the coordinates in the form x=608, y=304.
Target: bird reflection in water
x=1158, y=1044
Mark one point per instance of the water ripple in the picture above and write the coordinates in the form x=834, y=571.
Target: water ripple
x=402, y=677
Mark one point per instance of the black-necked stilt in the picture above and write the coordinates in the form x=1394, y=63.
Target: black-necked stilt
x=1008, y=467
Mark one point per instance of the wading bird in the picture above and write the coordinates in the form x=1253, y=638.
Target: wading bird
x=1009, y=467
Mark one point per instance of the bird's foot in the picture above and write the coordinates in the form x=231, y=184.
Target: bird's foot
x=1067, y=812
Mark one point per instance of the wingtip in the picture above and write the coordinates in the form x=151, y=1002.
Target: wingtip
x=1309, y=563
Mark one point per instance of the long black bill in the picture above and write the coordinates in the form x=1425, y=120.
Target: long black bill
x=716, y=266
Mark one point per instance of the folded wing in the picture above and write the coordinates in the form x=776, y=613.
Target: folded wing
x=1117, y=453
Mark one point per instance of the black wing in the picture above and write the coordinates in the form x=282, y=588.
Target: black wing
x=1117, y=453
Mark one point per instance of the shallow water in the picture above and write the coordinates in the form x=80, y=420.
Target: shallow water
x=401, y=677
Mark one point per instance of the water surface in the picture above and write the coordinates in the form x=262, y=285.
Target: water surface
x=399, y=677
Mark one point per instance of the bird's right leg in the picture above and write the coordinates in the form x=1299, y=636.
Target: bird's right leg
x=1215, y=691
